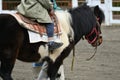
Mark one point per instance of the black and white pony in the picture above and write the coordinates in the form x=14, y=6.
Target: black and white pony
x=75, y=24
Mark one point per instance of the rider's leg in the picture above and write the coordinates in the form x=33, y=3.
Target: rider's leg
x=50, y=32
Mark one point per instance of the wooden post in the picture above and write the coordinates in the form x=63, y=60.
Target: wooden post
x=108, y=12
x=93, y=2
x=74, y=3
x=0, y=6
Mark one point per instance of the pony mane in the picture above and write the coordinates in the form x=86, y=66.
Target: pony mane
x=65, y=21
x=83, y=19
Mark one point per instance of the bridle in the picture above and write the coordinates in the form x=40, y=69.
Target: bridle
x=96, y=31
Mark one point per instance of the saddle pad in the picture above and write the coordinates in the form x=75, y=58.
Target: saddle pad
x=36, y=37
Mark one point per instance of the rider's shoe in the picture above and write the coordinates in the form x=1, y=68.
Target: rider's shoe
x=54, y=45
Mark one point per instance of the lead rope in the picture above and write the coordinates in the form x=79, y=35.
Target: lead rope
x=95, y=46
x=94, y=53
x=73, y=59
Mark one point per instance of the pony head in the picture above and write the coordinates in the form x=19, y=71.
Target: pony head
x=86, y=21
x=94, y=37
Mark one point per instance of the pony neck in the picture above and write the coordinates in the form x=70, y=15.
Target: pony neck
x=83, y=20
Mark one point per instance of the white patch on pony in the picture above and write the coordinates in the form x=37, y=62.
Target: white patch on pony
x=61, y=72
x=65, y=22
x=64, y=19
x=43, y=51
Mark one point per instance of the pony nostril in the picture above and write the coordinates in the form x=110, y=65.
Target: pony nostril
x=98, y=42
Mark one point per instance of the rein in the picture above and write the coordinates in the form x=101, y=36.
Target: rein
x=73, y=59
x=93, y=54
x=94, y=30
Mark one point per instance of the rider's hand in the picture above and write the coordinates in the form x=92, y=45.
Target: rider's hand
x=53, y=16
x=52, y=13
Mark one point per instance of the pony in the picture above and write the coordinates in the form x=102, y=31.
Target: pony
x=76, y=23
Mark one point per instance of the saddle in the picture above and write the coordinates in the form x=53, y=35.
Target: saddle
x=34, y=26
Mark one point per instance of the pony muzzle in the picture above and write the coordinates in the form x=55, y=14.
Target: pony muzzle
x=98, y=41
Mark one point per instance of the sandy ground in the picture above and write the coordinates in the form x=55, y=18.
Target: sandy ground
x=104, y=66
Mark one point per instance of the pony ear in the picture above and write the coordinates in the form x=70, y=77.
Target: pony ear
x=96, y=9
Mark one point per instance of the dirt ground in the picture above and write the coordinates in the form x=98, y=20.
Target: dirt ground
x=104, y=66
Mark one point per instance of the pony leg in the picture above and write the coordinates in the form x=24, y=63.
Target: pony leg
x=61, y=72
x=8, y=58
x=5, y=70
x=54, y=67
x=52, y=70
x=37, y=67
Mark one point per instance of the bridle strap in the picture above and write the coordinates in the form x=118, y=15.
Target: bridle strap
x=94, y=30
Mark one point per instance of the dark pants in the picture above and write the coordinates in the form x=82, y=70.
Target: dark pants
x=50, y=29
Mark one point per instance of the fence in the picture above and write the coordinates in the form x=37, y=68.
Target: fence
x=10, y=5
x=115, y=11
x=65, y=4
x=111, y=7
